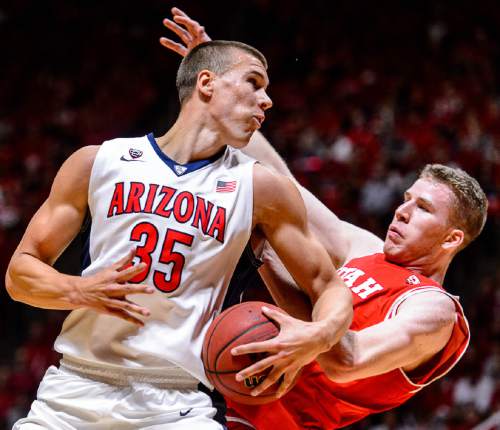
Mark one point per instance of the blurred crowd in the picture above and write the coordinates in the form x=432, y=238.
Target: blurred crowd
x=365, y=93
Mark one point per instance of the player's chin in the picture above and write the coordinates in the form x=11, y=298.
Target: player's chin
x=393, y=253
x=242, y=140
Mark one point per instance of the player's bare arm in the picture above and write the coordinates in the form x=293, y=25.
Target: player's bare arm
x=342, y=240
x=421, y=328
x=282, y=287
x=279, y=213
x=30, y=276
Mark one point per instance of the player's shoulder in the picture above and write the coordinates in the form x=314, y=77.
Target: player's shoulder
x=271, y=183
x=275, y=196
x=431, y=297
x=82, y=159
x=72, y=179
x=430, y=307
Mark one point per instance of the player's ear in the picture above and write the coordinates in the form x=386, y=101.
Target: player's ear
x=205, y=84
x=454, y=239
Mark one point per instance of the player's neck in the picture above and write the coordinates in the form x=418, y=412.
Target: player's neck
x=191, y=138
x=432, y=268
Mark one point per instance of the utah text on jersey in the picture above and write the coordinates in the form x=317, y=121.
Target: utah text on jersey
x=350, y=275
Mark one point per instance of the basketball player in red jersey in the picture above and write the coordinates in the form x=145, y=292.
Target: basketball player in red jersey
x=406, y=331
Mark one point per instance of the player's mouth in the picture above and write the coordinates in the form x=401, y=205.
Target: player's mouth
x=258, y=119
x=394, y=233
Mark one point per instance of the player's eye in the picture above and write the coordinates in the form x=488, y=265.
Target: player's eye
x=254, y=83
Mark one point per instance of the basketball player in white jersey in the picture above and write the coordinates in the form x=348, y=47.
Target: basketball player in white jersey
x=170, y=217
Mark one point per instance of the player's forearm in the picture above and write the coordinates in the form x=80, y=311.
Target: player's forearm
x=333, y=312
x=282, y=286
x=286, y=294
x=35, y=283
x=327, y=227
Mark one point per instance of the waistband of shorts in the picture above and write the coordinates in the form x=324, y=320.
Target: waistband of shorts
x=171, y=377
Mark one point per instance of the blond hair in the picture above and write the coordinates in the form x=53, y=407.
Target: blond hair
x=470, y=207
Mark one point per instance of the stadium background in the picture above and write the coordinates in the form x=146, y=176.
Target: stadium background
x=364, y=94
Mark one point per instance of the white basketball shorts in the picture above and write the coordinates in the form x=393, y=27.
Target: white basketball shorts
x=67, y=400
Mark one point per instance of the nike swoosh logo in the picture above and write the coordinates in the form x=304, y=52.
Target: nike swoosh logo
x=184, y=413
x=132, y=159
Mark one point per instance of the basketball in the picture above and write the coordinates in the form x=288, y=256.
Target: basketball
x=238, y=325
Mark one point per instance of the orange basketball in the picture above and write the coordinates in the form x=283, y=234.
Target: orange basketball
x=238, y=325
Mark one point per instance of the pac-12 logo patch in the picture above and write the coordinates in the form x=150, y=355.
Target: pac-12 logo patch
x=135, y=153
x=180, y=170
x=413, y=280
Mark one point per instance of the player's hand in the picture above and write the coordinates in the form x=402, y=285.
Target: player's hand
x=297, y=344
x=190, y=32
x=106, y=291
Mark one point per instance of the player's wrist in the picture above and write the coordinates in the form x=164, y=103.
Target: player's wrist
x=73, y=287
x=325, y=335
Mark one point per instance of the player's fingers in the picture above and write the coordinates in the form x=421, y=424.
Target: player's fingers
x=123, y=315
x=201, y=31
x=120, y=290
x=195, y=29
x=130, y=272
x=275, y=315
x=177, y=29
x=259, y=366
x=192, y=26
x=126, y=305
x=177, y=11
x=125, y=261
x=273, y=376
x=265, y=346
x=174, y=46
x=286, y=383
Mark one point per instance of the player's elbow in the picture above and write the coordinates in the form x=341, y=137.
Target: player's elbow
x=338, y=371
x=11, y=275
x=10, y=286
x=339, y=364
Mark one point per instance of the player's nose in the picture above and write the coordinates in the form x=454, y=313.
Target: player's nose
x=403, y=213
x=265, y=101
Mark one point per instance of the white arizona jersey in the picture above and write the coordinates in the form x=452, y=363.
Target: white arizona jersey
x=190, y=224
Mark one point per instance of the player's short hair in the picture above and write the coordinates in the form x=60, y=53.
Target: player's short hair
x=470, y=205
x=216, y=56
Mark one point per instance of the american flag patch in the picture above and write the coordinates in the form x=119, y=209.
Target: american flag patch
x=225, y=186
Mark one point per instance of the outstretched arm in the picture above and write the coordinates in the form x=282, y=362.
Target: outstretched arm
x=343, y=241
x=30, y=277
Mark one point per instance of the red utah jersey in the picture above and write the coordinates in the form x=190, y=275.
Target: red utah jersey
x=378, y=288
